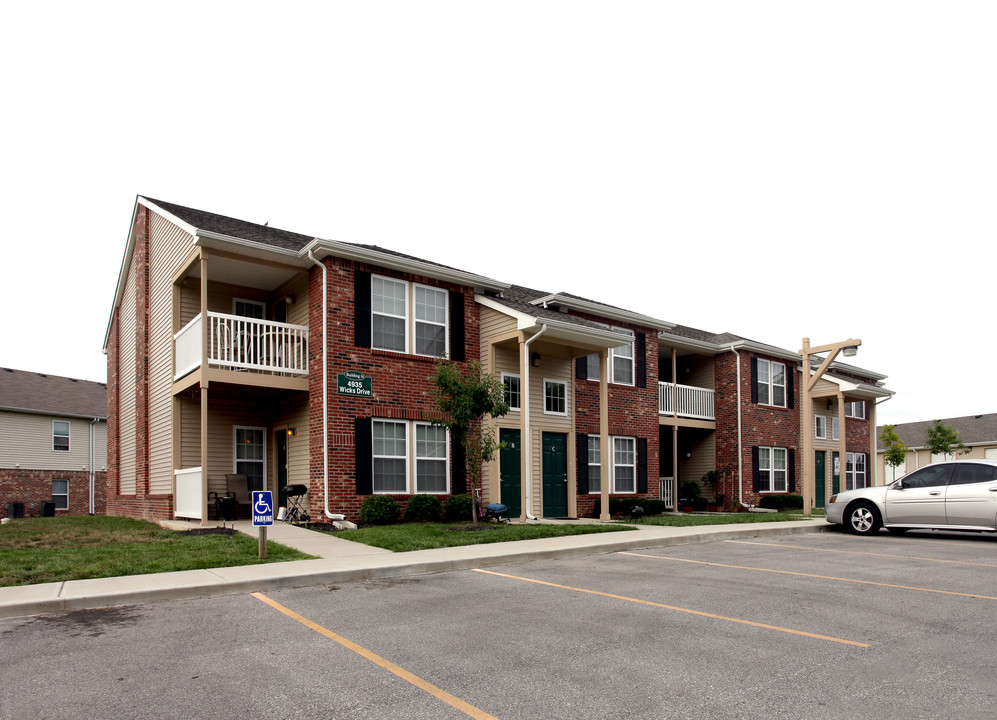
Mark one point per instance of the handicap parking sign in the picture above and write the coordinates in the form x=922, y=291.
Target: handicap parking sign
x=262, y=508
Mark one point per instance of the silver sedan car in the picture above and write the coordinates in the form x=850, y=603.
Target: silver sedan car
x=954, y=495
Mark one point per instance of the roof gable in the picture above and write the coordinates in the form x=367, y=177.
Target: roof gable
x=51, y=394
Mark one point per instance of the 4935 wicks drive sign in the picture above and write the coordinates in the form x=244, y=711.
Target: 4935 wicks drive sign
x=354, y=383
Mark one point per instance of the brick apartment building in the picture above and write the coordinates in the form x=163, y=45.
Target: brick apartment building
x=240, y=353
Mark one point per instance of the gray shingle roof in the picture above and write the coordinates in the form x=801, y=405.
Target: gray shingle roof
x=972, y=429
x=52, y=394
x=519, y=298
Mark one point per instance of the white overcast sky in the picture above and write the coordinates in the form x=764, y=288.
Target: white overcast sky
x=772, y=169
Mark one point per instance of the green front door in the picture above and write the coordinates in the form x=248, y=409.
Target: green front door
x=510, y=472
x=281, y=468
x=820, y=491
x=555, y=474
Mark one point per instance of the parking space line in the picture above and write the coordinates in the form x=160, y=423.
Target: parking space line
x=677, y=609
x=811, y=575
x=428, y=687
x=858, y=552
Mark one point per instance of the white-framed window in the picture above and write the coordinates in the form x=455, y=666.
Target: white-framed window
x=623, y=361
x=389, y=315
x=394, y=328
x=430, y=321
x=855, y=409
x=250, y=455
x=60, y=494
x=855, y=475
x=60, y=435
x=771, y=383
x=410, y=457
x=772, y=470
x=249, y=308
x=512, y=394
x=820, y=427
x=390, y=451
x=432, y=468
x=834, y=428
x=555, y=397
x=595, y=465
x=623, y=473
x=624, y=465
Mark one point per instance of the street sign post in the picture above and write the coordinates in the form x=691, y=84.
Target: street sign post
x=262, y=516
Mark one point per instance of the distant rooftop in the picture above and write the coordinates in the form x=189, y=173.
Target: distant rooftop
x=51, y=394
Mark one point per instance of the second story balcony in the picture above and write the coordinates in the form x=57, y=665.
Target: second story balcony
x=685, y=401
x=243, y=344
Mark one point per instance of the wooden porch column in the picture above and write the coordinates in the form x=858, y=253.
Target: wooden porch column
x=605, y=451
x=872, y=462
x=204, y=389
x=842, y=444
x=524, y=429
x=675, y=430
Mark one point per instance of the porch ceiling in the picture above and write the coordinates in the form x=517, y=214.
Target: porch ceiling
x=246, y=274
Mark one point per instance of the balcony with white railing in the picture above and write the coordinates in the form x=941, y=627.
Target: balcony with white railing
x=245, y=344
x=693, y=402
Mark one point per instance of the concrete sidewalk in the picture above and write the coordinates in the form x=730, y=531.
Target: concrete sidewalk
x=344, y=561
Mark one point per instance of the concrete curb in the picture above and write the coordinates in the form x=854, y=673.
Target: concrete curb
x=51, y=598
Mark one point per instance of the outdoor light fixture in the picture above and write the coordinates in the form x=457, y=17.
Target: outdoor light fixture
x=290, y=432
x=289, y=299
x=535, y=359
x=850, y=350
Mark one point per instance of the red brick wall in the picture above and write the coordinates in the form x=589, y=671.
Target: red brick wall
x=35, y=486
x=401, y=385
x=761, y=425
x=633, y=412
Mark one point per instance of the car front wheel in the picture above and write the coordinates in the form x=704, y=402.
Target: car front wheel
x=863, y=519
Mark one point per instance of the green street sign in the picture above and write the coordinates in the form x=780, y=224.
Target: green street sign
x=354, y=383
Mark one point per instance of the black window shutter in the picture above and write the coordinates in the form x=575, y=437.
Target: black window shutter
x=791, y=462
x=756, y=475
x=457, y=326
x=790, y=377
x=361, y=309
x=582, y=461
x=640, y=350
x=582, y=368
x=642, y=465
x=458, y=471
x=754, y=381
x=364, y=447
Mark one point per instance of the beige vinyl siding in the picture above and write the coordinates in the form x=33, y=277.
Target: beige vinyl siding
x=169, y=247
x=702, y=461
x=700, y=373
x=294, y=414
x=126, y=385
x=28, y=443
x=189, y=413
x=297, y=312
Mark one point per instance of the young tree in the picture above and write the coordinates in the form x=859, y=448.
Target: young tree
x=894, y=449
x=465, y=394
x=944, y=440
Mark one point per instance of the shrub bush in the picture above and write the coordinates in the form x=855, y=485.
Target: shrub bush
x=423, y=508
x=458, y=509
x=781, y=502
x=379, y=510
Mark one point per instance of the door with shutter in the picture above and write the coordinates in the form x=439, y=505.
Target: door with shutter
x=510, y=472
x=555, y=474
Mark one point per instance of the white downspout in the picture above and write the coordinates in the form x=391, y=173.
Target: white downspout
x=325, y=388
x=740, y=458
x=526, y=419
x=93, y=456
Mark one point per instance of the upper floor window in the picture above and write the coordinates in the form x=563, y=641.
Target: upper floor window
x=60, y=435
x=623, y=361
x=855, y=409
x=392, y=323
x=820, y=427
x=555, y=397
x=771, y=382
x=834, y=428
x=512, y=395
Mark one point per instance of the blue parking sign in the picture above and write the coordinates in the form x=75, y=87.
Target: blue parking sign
x=262, y=508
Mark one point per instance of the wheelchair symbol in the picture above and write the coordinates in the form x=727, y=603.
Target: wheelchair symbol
x=262, y=507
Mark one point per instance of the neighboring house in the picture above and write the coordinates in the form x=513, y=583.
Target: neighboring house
x=54, y=443
x=237, y=349
x=977, y=432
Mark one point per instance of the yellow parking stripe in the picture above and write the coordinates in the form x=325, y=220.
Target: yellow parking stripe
x=856, y=552
x=677, y=609
x=811, y=575
x=428, y=687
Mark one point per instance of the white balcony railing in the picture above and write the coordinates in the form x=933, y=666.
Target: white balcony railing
x=240, y=343
x=693, y=402
x=187, y=501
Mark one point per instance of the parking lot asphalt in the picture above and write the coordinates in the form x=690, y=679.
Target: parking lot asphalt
x=344, y=561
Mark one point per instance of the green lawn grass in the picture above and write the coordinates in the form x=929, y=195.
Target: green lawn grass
x=426, y=536
x=39, y=550
x=688, y=520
